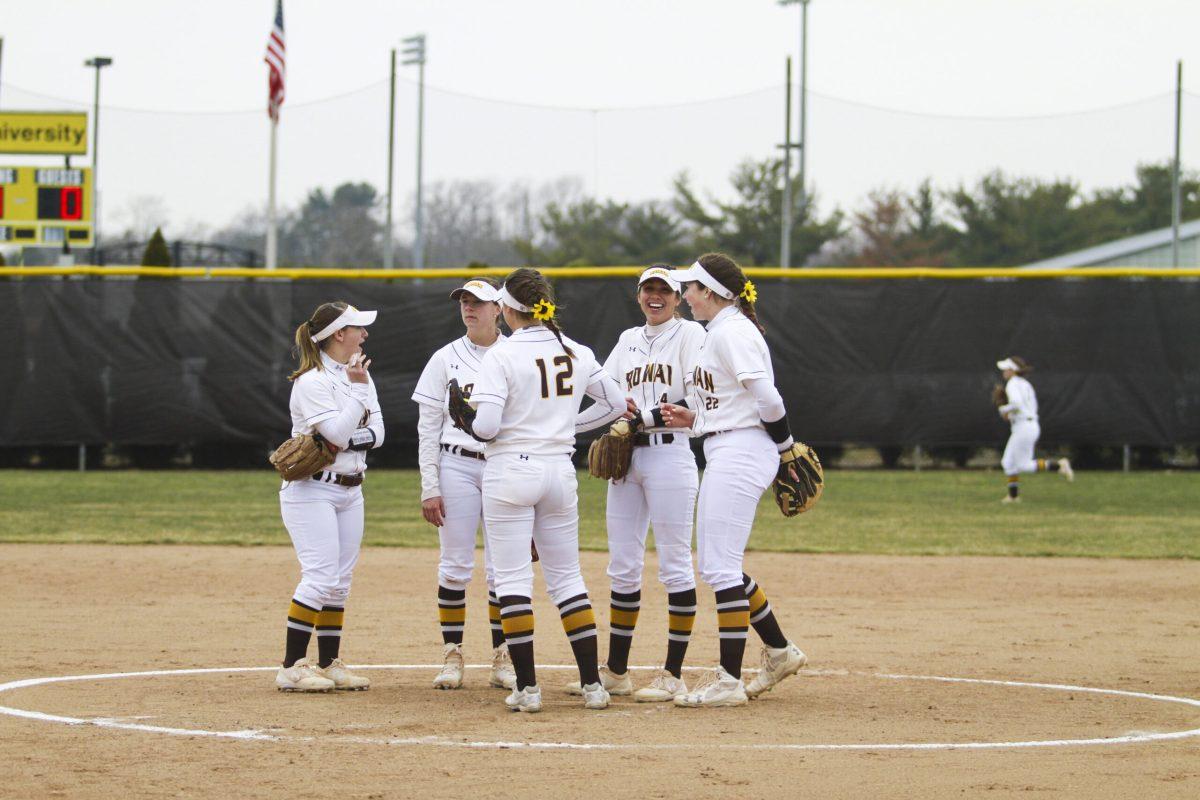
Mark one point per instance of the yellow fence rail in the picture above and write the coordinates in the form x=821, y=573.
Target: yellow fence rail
x=811, y=273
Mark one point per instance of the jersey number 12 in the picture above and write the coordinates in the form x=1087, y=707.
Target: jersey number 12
x=562, y=388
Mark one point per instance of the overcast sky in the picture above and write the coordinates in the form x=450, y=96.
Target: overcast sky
x=680, y=84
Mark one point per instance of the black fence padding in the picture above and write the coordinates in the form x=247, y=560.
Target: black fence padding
x=884, y=362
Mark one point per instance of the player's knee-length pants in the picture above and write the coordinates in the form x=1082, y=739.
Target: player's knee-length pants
x=740, y=466
x=325, y=521
x=660, y=490
x=531, y=497
x=1018, y=453
x=461, y=481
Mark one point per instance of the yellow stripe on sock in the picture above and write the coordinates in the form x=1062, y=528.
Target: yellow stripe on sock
x=1041, y=462
x=1014, y=478
x=677, y=623
x=515, y=625
x=584, y=616
x=452, y=614
x=733, y=619
x=330, y=619
x=493, y=613
x=297, y=611
x=757, y=600
x=623, y=616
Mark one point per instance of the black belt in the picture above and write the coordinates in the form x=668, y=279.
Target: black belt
x=646, y=439
x=339, y=478
x=459, y=450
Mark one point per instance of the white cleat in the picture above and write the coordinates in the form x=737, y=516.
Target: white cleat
x=595, y=696
x=614, y=684
x=663, y=689
x=528, y=700
x=1064, y=467
x=343, y=679
x=1008, y=499
x=777, y=664
x=302, y=677
x=451, y=676
x=503, y=674
x=717, y=690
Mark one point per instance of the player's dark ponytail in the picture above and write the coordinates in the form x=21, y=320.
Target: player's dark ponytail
x=730, y=275
x=530, y=288
x=308, y=351
x=1023, y=366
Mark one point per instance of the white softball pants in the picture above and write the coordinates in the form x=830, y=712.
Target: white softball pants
x=741, y=465
x=1018, y=453
x=461, y=482
x=325, y=522
x=660, y=490
x=532, y=498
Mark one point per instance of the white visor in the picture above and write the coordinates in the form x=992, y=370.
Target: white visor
x=351, y=316
x=663, y=275
x=697, y=272
x=510, y=301
x=1007, y=363
x=481, y=290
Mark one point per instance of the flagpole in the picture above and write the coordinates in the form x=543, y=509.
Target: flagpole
x=271, y=240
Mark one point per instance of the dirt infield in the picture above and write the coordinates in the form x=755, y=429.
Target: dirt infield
x=1123, y=625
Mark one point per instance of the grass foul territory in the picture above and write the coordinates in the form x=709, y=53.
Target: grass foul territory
x=1139, y=515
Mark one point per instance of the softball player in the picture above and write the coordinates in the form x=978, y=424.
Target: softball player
x=653, y=362
x=1021, y=412
x=333, y=395
x=452, y=481
x=528, y=395
x=738, y=410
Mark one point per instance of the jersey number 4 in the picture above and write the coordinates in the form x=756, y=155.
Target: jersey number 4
x=562, y=388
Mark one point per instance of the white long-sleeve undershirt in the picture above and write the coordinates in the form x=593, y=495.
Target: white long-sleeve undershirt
x=770, y=404
x=429, y=437
x=337, y=430
x=609, y=405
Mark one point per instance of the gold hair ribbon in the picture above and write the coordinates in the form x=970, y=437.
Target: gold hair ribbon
x=543, y=310
x=749, y=293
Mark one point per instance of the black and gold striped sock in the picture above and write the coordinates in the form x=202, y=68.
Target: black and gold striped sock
x=301, y=620
x=681, y=616
x=579, y=622
x=733, y=622
x=1014, y=485
x=623, y=611
x=329, y=634
x=452, y=613
x=494, y=620
x=761, y=616
x=516, y=617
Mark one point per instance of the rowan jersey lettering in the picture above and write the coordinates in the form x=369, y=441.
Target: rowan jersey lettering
x=321, y=394
x=539, y=388
x=460, y=359
x=733, y=351
x=653, y=372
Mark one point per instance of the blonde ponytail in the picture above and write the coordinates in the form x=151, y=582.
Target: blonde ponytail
x=306, y=350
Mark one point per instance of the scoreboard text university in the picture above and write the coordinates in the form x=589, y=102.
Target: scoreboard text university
x=46, y=206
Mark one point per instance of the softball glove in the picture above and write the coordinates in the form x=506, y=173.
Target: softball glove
x=799, y=481
x=610, y=455
x=302, y=456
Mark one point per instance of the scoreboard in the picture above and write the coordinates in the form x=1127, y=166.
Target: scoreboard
x=46, y=206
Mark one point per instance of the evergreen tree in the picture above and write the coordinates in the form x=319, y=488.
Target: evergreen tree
x=157, y=253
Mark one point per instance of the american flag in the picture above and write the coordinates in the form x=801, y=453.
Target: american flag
x=276, y=58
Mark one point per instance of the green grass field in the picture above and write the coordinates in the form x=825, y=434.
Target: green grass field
x=1138, y=515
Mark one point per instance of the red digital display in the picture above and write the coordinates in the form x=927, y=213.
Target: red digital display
x=71, y=203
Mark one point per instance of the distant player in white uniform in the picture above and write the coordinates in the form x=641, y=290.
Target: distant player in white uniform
x=528, y=395
x=741, y=414
x=452, y=481
x=653, y=363
x=333, y=396
x=1021, y=412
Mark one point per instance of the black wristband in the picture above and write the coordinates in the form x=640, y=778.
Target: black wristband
x=779, y=430
x=682, y=403
x=362, y=440
x=656, y=412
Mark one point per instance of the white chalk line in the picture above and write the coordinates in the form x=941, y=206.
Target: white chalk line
x=437, y=741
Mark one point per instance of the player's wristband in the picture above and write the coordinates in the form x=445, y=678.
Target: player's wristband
x=682, y=403
x=780, y=432
x=653, y=418
x=362, y=439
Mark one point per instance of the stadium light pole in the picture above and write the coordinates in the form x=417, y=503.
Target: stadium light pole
x=98, y=63
x=414, y=53
x=803, y=144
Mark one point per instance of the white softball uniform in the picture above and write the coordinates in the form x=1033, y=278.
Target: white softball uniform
x=1022, y=411
x=529, y=483
x=653, y=364
x=323, y=519
x=449, y=466
x=741, y=458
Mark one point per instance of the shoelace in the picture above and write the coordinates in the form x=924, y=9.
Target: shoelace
x=708, y=680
